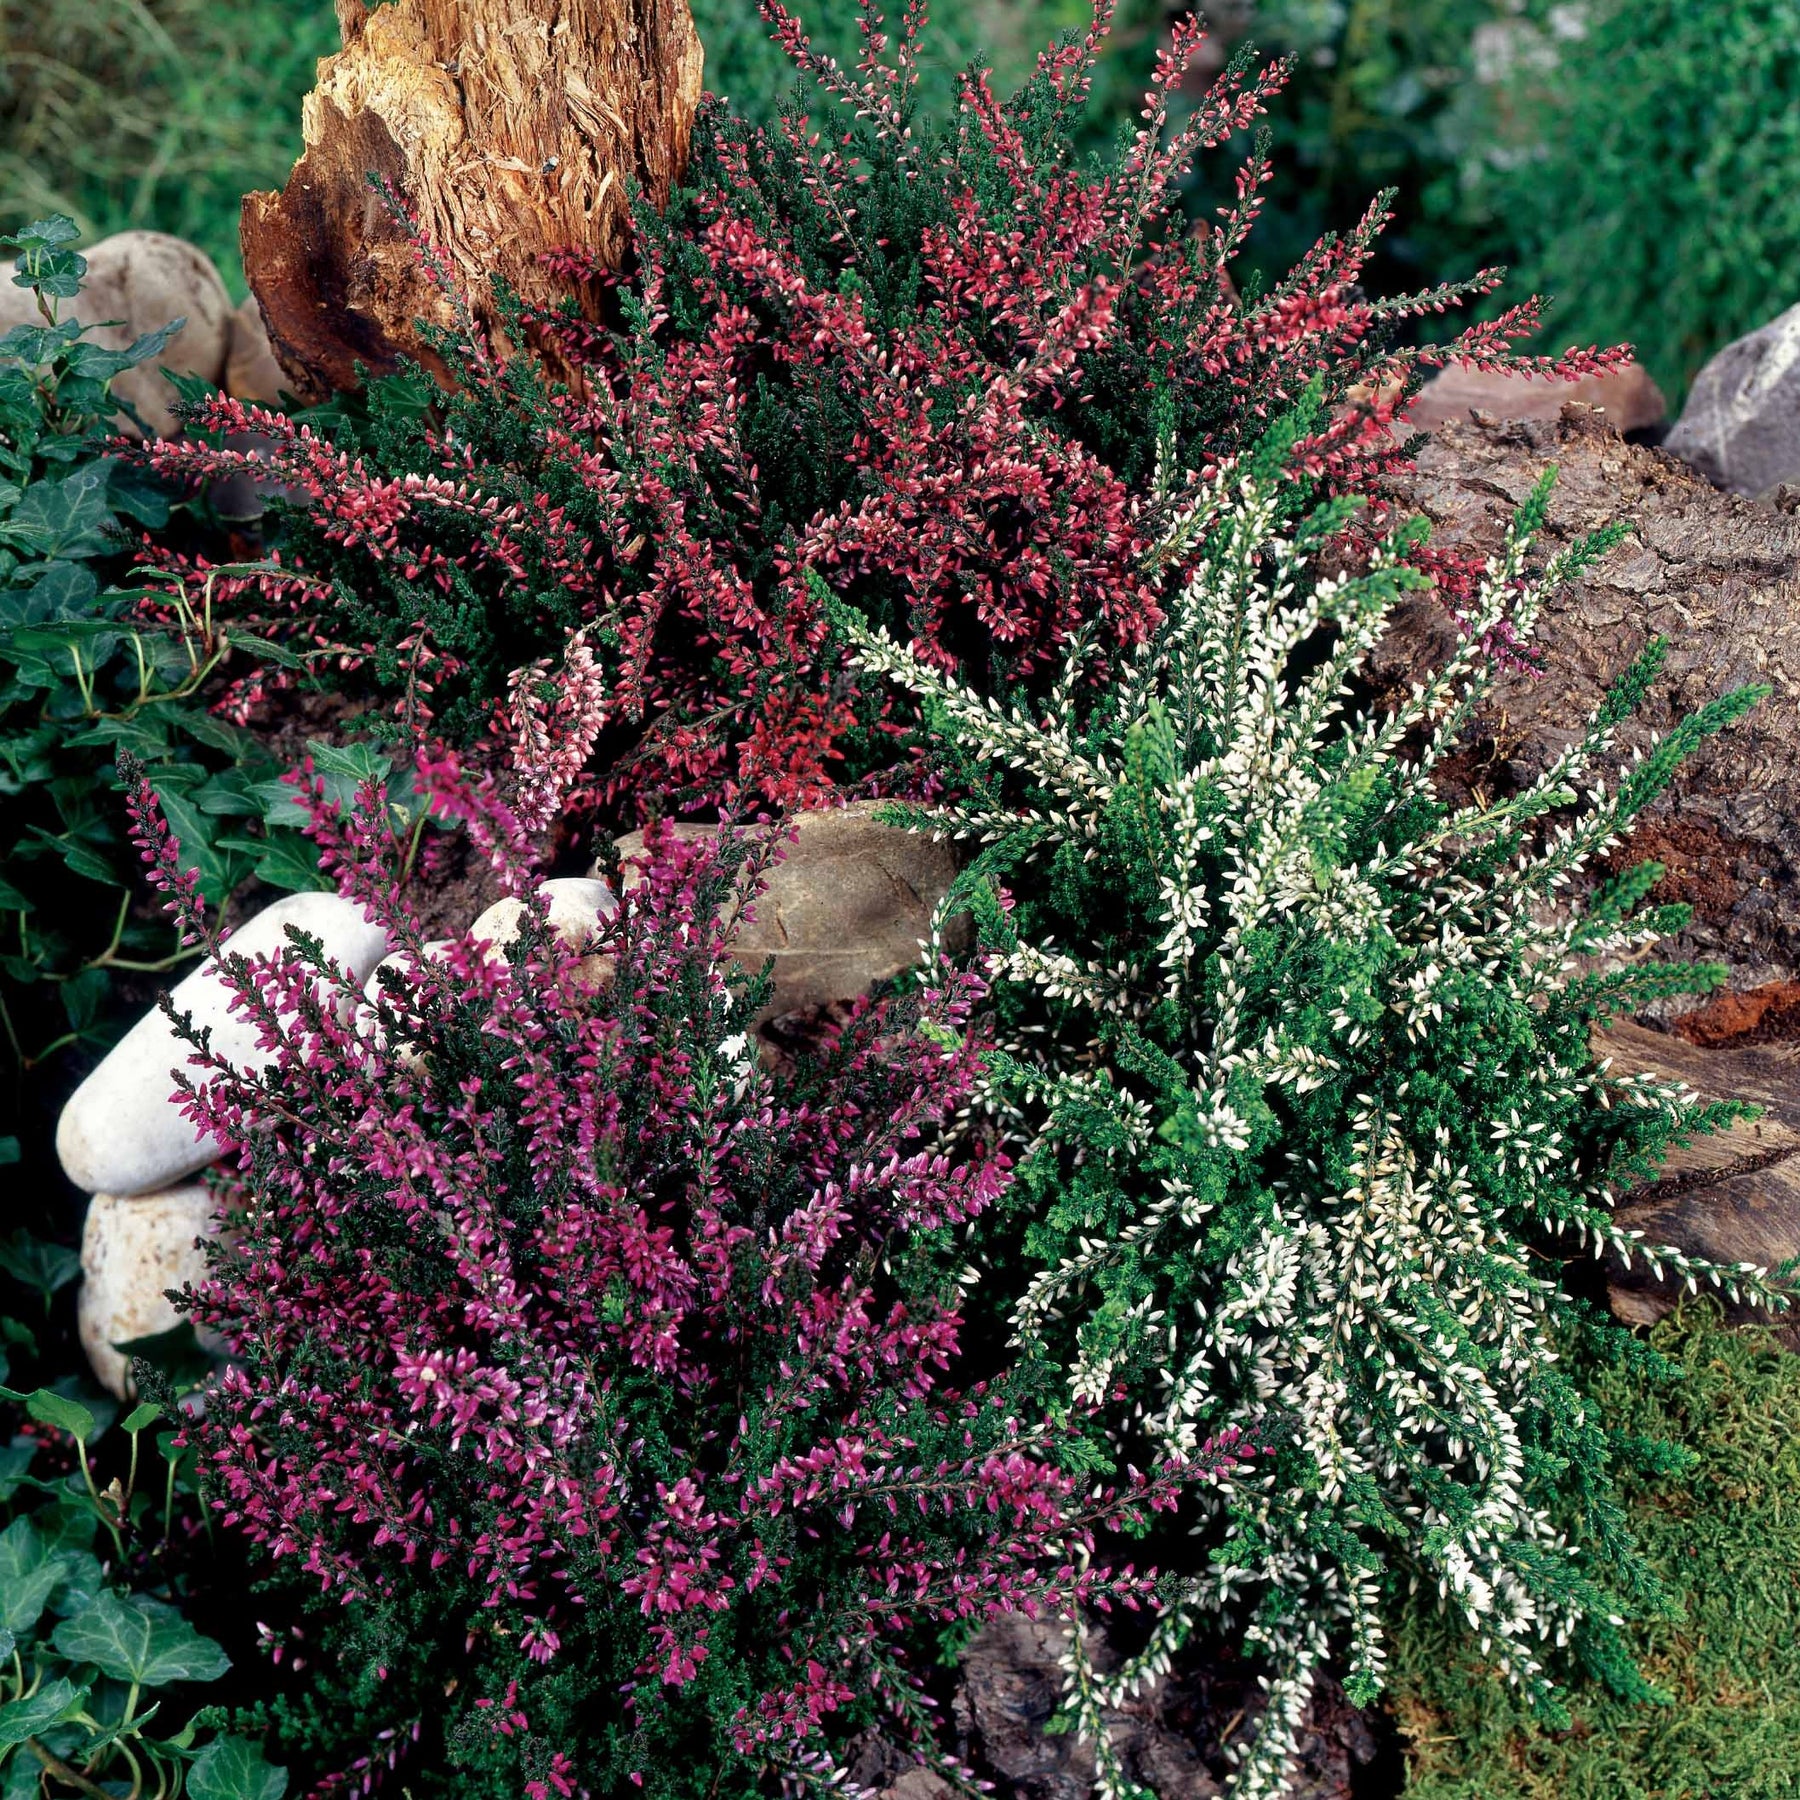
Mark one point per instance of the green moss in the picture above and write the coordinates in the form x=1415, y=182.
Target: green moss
x=1725, y=1538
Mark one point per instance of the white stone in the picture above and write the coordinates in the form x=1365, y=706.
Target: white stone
x=122, y=1132
x=577, y=905
x=134, y=1248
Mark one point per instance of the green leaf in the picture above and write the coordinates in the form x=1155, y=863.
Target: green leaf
x=219, y=870
x=146, y=1412
x=15, y=1460
x=50, y=1705
x=28, y=1576
x=59, y=1410
x=98, y=363
x=80, y=1581
x=45, y=234
x=64, y=590
x=139, y=1639
x=232, y=1768
x=284, y=859
x=43, y=1267
x=67, y=517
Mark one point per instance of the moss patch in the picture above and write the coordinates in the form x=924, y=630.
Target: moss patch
x=1725, y=1538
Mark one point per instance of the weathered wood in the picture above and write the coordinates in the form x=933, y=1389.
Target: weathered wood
x=1719, y=579
x=508, y=127
x=1733, y=1197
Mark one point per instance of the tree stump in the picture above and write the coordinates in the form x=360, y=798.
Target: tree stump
x=508, y=128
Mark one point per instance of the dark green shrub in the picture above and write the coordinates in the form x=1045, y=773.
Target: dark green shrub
x=81, y=678
x=1650, y=181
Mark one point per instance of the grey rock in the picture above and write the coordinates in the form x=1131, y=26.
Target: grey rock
x=121, y=1132
x=138, y=281
x=1741, y=425
x=133, y=1249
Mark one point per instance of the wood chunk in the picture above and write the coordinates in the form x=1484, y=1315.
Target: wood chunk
x=509, y=128
x=1733, y=1197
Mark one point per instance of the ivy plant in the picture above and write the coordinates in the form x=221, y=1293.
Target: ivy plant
x=101, y=1674
x=83, y=677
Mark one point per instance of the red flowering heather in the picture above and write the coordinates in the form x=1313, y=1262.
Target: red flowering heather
x=962, y=376
x=594, y=1372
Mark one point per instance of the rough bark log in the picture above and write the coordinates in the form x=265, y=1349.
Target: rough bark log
x=508, y=127
x=1719, y=578
x=1734, y=1197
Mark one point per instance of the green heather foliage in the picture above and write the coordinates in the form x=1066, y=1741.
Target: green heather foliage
x=1720, y=1527
x=1299, y=1057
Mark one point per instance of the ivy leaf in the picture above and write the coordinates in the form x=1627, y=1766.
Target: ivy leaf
x=233, y=1769
x=219, y=870
x=28, y=1576
x=50, y=1705
x=284, y=859
x=80, y=1582
x=59, y=1410
x=66, y=518
x=139, y=1639
x=43, y=1267
x=15, y=1460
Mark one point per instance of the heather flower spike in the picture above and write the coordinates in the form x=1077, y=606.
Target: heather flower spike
x=1296, y=1059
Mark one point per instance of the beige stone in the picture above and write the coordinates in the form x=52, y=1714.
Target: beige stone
x=251, y=371
x=121, y=1131
x=134, y=1248
x=138, y=281
x=1628, y=397
x=577, y=905
x=849, y=905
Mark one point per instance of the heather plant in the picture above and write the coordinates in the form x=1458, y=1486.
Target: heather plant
x=575, y=1364
x=933, y=358
x=1298, y=1055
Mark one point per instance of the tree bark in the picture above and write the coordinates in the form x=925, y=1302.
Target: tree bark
x=508, y=128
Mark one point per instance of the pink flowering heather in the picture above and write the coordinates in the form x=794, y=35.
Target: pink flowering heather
x=594, y=1373
x=947, y=366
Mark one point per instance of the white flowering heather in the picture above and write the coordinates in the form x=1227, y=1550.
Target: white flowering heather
x=1302, y=1057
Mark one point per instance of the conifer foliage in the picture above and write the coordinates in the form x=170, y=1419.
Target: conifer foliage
x=932, y=357
x=571, y=1362
x=1300, y=1053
